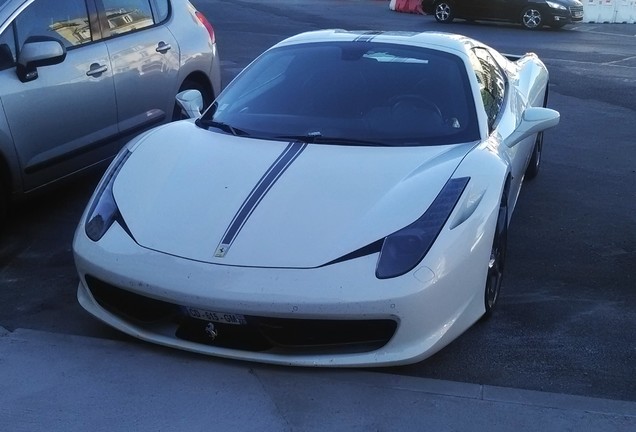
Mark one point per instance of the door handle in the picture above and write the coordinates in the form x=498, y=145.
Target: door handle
x=163, y=47
x=96, y=69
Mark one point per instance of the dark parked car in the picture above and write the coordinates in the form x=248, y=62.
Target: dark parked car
x=532, y=14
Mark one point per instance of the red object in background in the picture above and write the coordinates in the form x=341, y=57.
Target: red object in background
x=410, y=6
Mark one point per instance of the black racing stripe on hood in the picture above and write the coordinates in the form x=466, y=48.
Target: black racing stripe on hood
x=369, y=249
x=367, y=36
x=273, y=173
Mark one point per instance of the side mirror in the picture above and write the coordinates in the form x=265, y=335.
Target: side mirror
x=191, y=101
x=38, y=51
x=533, y=120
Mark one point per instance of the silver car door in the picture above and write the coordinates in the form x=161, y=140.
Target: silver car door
x=145, y=59
x=62, y=120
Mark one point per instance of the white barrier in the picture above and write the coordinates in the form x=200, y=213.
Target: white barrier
x=626, y=11
x=609, y=11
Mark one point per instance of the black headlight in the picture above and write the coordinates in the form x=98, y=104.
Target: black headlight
x=104, y=210
x=405, y=248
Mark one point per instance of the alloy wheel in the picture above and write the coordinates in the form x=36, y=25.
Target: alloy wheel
x=531, y=19
x=443, y=12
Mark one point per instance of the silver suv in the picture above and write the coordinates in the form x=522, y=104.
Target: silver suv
x=78, y=78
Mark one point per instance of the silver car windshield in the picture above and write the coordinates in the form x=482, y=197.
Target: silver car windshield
x=361, y=93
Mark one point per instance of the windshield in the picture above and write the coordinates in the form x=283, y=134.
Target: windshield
x=361, y=93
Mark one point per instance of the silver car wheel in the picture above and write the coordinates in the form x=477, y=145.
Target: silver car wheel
x=531, y=19
x=443, y=12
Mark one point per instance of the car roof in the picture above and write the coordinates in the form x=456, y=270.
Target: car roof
x=435, y=40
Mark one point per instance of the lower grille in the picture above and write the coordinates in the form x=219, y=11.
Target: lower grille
x=260, y=333
x=576, y=11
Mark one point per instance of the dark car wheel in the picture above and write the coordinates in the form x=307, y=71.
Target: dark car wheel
x=4, y=205
x=497, y=259
x=531, y=18
x=535, y=161
x=444, y=12
x=178, y=113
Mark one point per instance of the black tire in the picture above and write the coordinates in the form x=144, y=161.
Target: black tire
x=4, y=205
x=531, y=18
x=444, y=12
x=497, y=259
x=178, y=113
x=535, y=161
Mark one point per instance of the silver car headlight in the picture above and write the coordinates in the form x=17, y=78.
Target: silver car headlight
x=554, y=5
x=404, y=249
x=104, y=211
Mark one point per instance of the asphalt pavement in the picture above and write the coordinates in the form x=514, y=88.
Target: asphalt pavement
x=54, y=382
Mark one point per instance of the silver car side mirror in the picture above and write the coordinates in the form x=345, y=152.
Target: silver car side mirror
x=191, y=101
x=533, y=120
x=38, y=51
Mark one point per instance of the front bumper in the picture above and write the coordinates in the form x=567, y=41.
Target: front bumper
x=425, y=309
x=572, y=15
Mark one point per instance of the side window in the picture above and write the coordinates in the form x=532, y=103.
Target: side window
x=492, y=83
x=124, y=16
x=66, y=20
x=162, y=10
x=7, y=48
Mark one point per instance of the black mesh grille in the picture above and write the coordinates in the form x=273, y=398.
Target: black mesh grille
x=259, y=334
x=574, y=9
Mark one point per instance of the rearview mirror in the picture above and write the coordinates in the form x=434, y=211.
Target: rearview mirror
x=38, y=51
x=191, y=101
x=533, y=120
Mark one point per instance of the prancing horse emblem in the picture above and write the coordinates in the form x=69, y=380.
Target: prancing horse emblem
x=211, y=331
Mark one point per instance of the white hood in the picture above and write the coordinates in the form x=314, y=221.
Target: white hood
x=179, y=196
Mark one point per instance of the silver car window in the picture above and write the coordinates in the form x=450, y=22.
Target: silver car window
x=124, y=16
x=161, y=9
x=7, y=49
x=66, y=20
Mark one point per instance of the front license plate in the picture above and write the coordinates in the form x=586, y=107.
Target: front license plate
x=577, y=14
x=218, y=317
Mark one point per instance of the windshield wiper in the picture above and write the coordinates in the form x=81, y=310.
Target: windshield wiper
x=220, y=125
x=315, y=138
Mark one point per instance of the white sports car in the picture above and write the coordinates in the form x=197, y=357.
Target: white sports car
x=344, y=201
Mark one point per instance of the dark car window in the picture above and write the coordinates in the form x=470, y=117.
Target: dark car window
x=124, y=16
x=7, y=48
x=161, y=9
x=386, y=93
x=492, y=83
x=66, y=20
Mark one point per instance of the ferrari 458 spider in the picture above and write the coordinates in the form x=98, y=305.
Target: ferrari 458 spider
x=345, y=201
